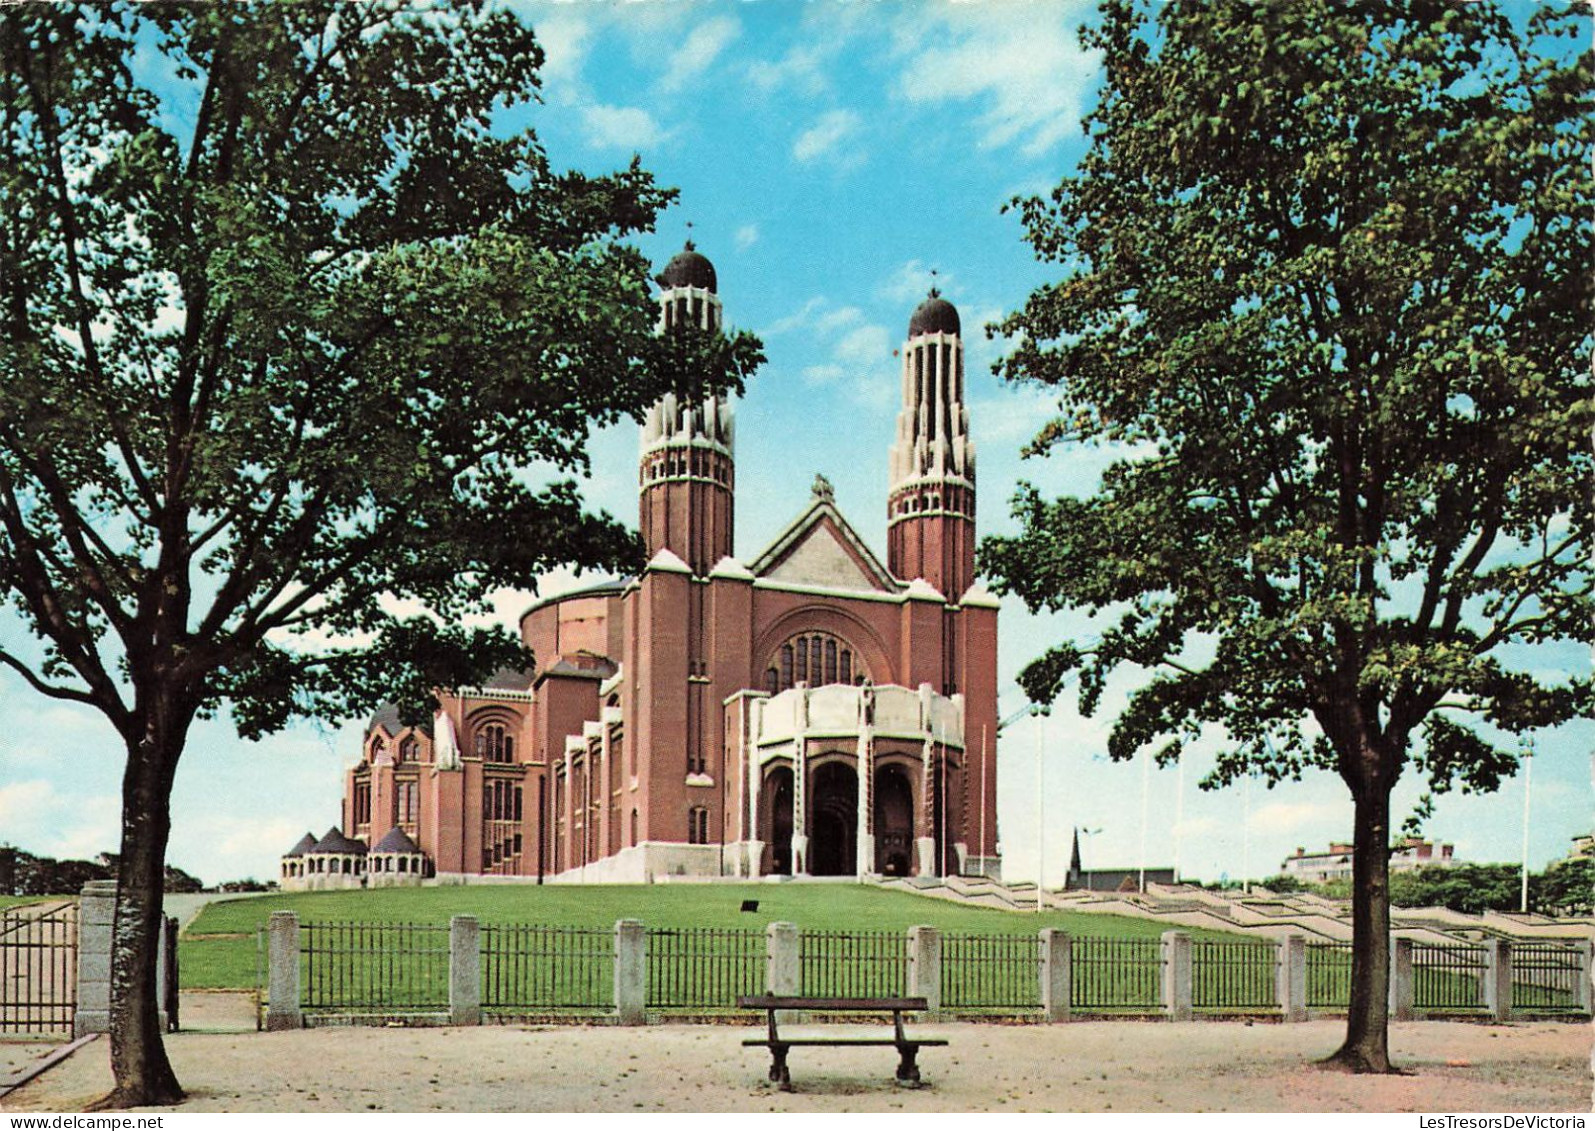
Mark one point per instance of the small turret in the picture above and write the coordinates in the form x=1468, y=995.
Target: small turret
x=931, y=504
x=686, y=473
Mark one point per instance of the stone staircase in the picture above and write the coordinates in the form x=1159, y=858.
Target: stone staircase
x=1260, y=912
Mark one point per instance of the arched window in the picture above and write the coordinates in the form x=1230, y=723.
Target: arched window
x=376, y=749
x=494, y=745
x=409, y=750
x=815, y=658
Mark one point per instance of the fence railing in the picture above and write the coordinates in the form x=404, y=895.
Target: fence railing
x=536, y=968
x=704, y=968
x=1116, y=975
x=1234, y=976
x=1448, y=979
x=374, y=967
x=853, y=964
x=465, y=971
x=988, y=973
x=1328, y=975
x=38, y=970
x=1548, y=978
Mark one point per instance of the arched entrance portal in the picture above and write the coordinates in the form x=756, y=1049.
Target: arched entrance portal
x=778, y=819
x=833, y=819
x=894, y=822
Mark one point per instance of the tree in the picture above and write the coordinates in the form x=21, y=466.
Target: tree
x=1325, y=290
x=296, y=324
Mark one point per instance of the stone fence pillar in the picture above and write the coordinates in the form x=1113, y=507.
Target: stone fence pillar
x=1057, y=986
x=465, y=970
x=1177, y=976
x=1586, y=975
x=1496, y=981
x=1401, y=979
x=784, y=973
x=924, y=966
x=282, y=977
x=1292, y=976
x=96, y=908
x=631, y=972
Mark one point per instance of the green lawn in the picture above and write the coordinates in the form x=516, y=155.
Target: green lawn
x=8, y=901
x=218, y=949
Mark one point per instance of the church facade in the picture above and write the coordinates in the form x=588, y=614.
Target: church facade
x=810, y=711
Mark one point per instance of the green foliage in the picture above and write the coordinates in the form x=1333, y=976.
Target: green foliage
x=1325, y=290
x=294, y=333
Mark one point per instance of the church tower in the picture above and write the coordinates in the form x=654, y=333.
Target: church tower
x=930, y=530
x=687, y=471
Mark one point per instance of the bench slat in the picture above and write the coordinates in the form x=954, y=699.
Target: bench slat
x=886, y=1042
x=840, y=1004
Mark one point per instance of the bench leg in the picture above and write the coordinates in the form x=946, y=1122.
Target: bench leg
x=778, y=1069
x=907, y=1069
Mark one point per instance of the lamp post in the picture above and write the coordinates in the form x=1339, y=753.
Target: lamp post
x=1528, y=778
x=1041, y=809
x=1146, y=785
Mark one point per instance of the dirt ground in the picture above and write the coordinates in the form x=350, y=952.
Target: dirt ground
x=1084, y=1066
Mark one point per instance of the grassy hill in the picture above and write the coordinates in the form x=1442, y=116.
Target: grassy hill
x=218, y=949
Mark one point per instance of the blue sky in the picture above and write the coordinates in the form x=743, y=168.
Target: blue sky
x=830, y=155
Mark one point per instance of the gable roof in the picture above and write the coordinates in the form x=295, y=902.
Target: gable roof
x=820, y=547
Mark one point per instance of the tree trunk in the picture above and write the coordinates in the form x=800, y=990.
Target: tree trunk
x=144, y=1076
x=1367, y=1045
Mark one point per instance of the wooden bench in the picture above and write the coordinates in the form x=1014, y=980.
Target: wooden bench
x=907, y=1047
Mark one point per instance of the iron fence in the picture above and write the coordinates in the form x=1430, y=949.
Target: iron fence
x=1234, y=976
x=1546, y=977
x=1448, y=979
x=1328, y=975
x=990, y=972
x=1116, y=975
x=371, y=967
x=704, y=968
x=853, y=963
x=530, y=968
x=38, y=969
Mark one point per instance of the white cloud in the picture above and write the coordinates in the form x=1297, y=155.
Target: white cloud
x=702, y=47
x=746, y=236
x=1022, y=63
x=822, y=374
x=865, y=347
x=1296, y=817
x=833, y=320
x=564, y=35
x=801, y=68
x=826, y=136
x=620, y=127
x=22, y=799
x=801, y=318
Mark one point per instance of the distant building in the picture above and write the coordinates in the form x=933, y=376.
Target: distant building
x=1409, y=854
x=813, y=710
x=1111, y=879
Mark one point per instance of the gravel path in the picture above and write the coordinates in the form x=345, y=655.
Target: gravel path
x=1085, y=1066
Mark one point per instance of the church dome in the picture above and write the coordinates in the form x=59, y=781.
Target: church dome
x=688, y=268
x=933, y=316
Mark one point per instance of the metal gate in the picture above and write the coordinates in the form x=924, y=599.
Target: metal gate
x=39, y=969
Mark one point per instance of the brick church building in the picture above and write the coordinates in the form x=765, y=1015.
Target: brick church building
x=810, y=711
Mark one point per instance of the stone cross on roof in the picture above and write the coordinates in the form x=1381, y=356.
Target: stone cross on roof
x=823, y=489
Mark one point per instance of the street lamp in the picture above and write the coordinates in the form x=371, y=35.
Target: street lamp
x=1079, y=832
x=1528, y=778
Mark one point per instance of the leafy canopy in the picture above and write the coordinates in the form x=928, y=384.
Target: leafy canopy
x=1324, y=287
x=295, y=331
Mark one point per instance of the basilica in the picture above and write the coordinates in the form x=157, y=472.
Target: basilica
x=811, y=711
